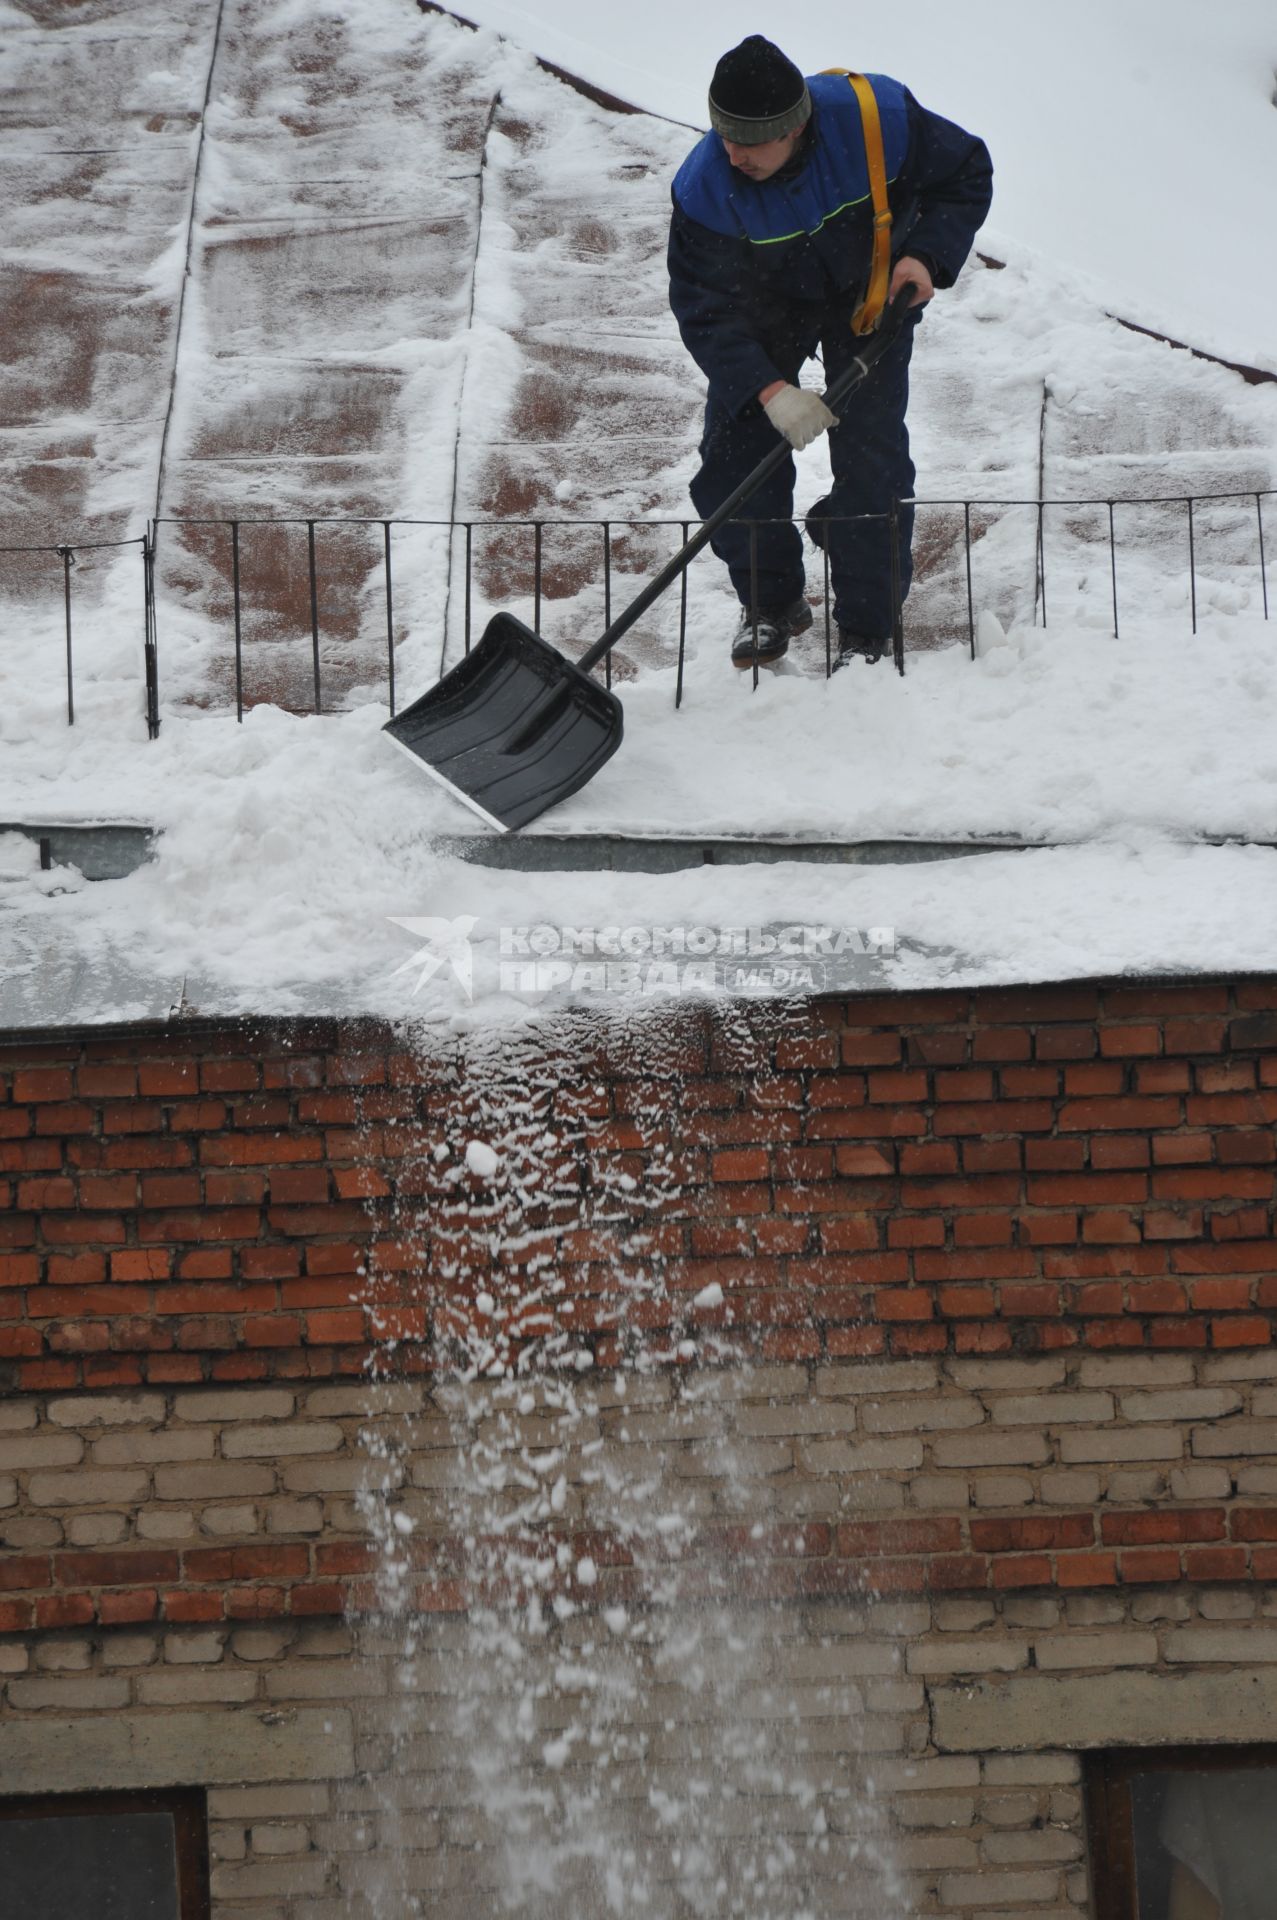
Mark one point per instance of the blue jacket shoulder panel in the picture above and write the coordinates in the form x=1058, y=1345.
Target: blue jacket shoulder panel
x=757, y=267
x=709, y=190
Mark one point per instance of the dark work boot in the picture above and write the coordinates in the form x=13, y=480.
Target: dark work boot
x=855, y=646
x=774, y=632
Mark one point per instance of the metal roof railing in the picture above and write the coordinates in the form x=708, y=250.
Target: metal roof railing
x=304, y=603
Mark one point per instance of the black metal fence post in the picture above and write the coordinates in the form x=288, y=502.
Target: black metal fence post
x=314, y=608
x=897, y=591
x=68, y=561
x=966, y=533
x=685, y=529
x=469, y=571
x=239, y=625
x=390, y=616
x=1192, y=563
x=1263, y=567
x=607, y=596
x=829, y=618
x=150, y=644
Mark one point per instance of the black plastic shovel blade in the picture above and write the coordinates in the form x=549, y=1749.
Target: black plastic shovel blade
x=513, y=728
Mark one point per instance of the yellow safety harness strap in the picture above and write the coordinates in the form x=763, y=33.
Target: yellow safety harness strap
x=867, y=314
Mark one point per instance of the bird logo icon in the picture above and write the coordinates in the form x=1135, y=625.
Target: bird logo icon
x=444, y=943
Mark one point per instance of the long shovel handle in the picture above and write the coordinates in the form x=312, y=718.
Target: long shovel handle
x=874, y=348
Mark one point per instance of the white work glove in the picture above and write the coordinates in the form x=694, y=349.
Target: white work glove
x=799, y=415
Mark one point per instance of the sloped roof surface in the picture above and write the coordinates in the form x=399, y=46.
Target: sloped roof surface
x=426, y=282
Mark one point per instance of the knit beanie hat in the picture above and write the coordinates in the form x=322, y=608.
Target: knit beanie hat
x=757, y=94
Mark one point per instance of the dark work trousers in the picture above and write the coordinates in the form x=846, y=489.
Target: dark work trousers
x=869, y=454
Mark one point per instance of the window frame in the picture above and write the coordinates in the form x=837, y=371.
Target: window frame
x=187, y=1805
x=1110, y=1824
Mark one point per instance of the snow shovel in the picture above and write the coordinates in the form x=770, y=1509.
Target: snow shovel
x=515, y=726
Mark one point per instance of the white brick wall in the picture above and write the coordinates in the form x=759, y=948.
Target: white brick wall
x=969, y=1710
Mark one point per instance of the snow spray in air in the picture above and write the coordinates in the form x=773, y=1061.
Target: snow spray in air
x=606, y=1694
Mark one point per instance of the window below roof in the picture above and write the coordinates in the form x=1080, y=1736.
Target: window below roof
x=115, y=1856
x=1184, y=1833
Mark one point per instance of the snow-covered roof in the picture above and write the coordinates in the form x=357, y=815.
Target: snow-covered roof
x=427, y=282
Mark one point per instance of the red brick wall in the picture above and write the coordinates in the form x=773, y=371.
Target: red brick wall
x=984, y=1172
x=1001, y=1182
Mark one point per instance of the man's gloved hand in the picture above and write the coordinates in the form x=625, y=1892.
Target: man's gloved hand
x=799, y=415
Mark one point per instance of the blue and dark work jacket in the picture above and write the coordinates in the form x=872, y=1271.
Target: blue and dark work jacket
x=757, y=267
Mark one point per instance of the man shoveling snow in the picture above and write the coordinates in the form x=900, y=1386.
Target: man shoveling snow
x=775, y=248
x=796, y=220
